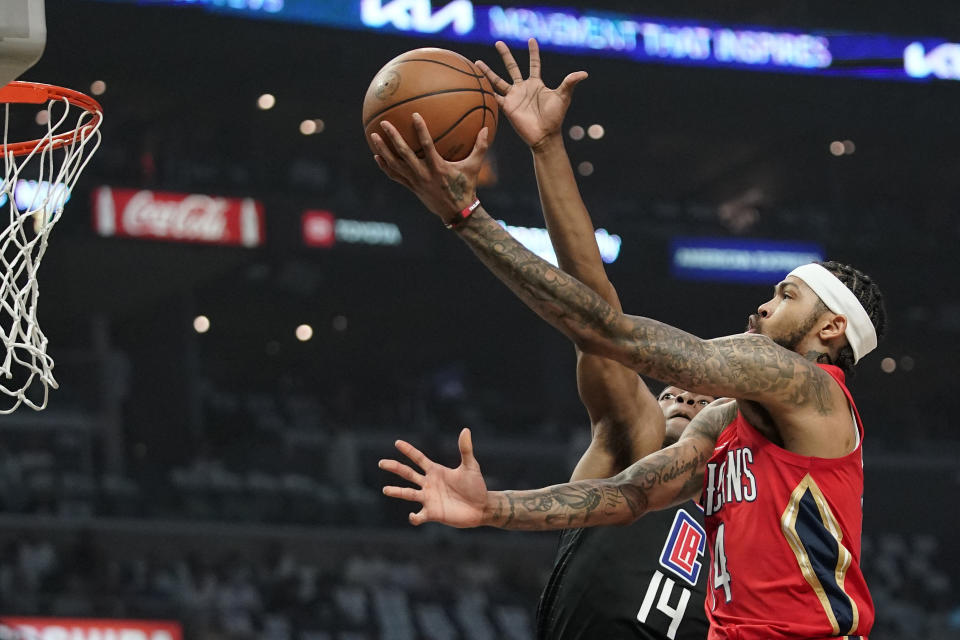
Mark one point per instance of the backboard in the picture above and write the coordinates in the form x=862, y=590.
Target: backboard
x=23, y=34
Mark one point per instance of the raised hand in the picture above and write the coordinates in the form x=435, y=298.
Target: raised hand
x=535, y=111
x=446, y=188
x=455, y=497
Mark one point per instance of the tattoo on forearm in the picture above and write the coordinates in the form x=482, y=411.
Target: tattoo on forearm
x=662, y=479
x=655, y=482
x=739, y=366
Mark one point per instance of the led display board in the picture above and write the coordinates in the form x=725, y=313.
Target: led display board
x=738, y=260
x=322, y=229
x=537, y=240
x=639, y=38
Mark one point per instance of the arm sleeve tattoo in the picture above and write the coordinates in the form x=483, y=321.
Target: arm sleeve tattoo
x=660, y=480
x=746, y=366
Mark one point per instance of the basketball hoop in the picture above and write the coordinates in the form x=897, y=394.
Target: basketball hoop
x=38, y=178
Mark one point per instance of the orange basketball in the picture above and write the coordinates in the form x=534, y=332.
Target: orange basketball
x=453, y=96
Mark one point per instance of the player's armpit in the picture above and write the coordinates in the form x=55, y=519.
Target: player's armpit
x=626, y=423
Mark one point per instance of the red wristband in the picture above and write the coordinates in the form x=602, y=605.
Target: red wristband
x=463, y=215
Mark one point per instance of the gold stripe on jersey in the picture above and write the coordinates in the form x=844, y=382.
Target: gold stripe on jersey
x=788, y=524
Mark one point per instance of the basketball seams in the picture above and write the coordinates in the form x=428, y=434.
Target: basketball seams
x=417, y=97
x=485, y=108
x=483, y=122
x=435, y=85
x=443, y=64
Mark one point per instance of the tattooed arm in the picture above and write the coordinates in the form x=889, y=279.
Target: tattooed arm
x=748, y=366
x=665, y=478
x=790, y=389
x=459, y=497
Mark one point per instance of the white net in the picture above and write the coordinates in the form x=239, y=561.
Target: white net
x=34, y=189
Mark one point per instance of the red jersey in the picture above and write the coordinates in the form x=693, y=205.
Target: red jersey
x=784, y=535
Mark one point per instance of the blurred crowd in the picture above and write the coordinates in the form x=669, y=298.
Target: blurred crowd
x=289, y=459
x=276, y=596
x=394, y=593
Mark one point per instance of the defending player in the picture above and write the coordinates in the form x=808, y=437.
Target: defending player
x=607, y=581
x=644, y=581
x=779, y=472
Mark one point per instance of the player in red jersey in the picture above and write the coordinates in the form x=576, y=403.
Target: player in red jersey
x=785, y=479
x=788, y=512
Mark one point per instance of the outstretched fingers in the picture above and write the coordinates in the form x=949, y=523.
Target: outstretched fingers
x=404, y=493
x=465, y=442
x=418, y=457
x=402, y=470
x=513, y=69
x=570, y=82
x=498, y=83
x=534, y=49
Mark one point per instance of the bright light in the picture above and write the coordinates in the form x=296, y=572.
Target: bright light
x=43, y=117
x=889, y=365
x=537, y=239
x=585, y=168
x=849, y=147
x=266, y=101
x=308, y=127
x=836, y=148
x=32, y=195
x=576, y=132
x=595, y=131
x=339, y=323
x=201, y=324
x=304, y=332
x=98, y=87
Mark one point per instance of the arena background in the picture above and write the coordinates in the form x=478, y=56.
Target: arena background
x=227, y=480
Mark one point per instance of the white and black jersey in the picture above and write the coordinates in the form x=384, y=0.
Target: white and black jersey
x=643, y=581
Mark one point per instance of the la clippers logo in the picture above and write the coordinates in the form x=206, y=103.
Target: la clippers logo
x=686, y=543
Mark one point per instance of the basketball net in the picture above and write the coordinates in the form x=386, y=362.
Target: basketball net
x=38, y=179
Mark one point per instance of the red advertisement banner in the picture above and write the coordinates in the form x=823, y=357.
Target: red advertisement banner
x=319, y=229
x=92, y=629
x=323, y=229
x=178, y=217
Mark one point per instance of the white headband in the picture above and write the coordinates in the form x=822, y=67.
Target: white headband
x=860, y=331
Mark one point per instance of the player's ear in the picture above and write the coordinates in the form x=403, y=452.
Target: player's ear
x=832, y=326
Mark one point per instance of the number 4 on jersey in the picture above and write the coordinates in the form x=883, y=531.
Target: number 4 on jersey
x=721, y=577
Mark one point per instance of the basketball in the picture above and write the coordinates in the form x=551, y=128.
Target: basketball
x=453, y=96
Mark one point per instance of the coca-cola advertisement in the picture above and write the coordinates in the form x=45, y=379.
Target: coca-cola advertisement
x=178, y=217
x=88, y=629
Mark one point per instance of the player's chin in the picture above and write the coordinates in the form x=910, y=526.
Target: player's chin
x=675, y=426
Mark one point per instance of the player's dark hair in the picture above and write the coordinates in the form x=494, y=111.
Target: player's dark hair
x=869, y=295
